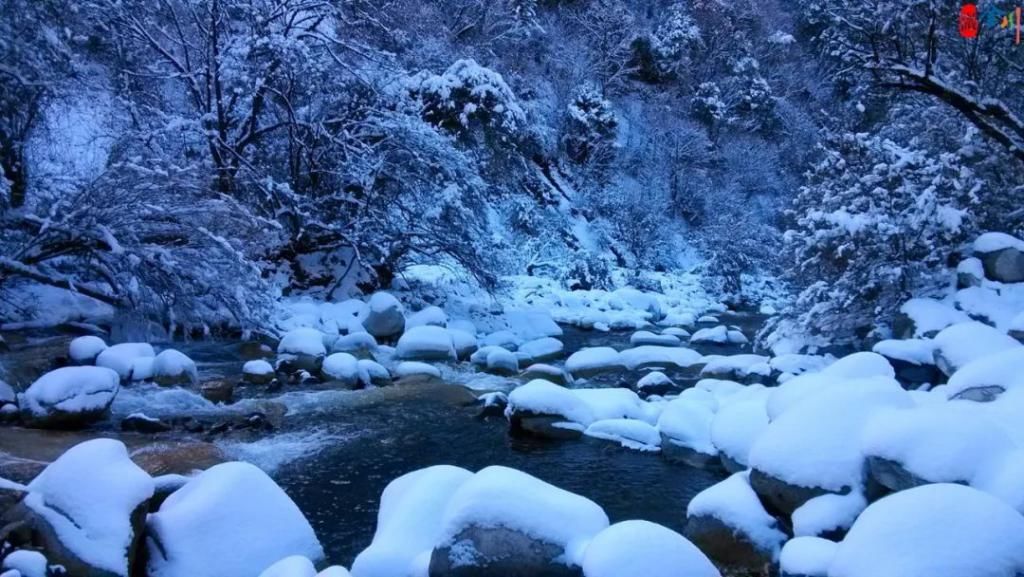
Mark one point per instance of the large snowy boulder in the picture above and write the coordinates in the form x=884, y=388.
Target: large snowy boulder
x=728, y=523
x=1002, y=256
x=734, y=430
x=556, y=375
x=743, y=368
x=231, y=520
x=426, y=343
x=685, y=428
x=644, y=549
x=987, y=378
x=172, y=368
x=544, y=409
x=501, y=362
x=503, y=522
x=88, y=508
x=465, y=343
x=69, y=397
x=386, y=317
x=409, y=522
x=641, y=338
x=943, y=529
x=84, y=350
x=718, y=335
x=121, y=358
x=301, y=349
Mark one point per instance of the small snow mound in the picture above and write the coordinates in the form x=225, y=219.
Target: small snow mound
x=688, y=424
x=426, y=342
x=546, y=398
x=829, y=512
x=431, y=315
x=644, y=549
x=629, y=433
x=735, y=504
x=121, y=358
x=807, y=556
x=995, y=241
x=174, y=367
x=302, y=341
x=85, y=349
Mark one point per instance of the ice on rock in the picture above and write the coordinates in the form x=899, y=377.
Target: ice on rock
x=121, y=357
x=544, y=398
x=69, y=396
x=644, y=549
x=630, y=433
x=432, y=316
x=539, y=350
x=986, y=378
x=913, y=351
x=302, y=341
x=960, y=344
x=24, y=563
x=173, y=367
x=92, y=499
x=855, y=367
x=736, y=427
x=231, y=507
x=593, y=360
x=734, y=504
x=828, y=513
x=426, y=343
x=655, y=356
x=341, y=367
x=816, y=443
x=941, y=529
x=687, y=424
x=84, y=350
x=507, y=499
x=807, y=557
x=409, y=522
x=926, y=317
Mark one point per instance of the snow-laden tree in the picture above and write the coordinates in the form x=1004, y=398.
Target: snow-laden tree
x=591, y=127
x=873, y=224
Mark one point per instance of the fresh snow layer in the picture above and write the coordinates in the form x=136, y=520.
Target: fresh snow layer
x=737, y=426
x=942, y=529
x=740, y=365
x=409, y=522
x=827, y=513
x=962, y=343
x=641, y=338
x=654, y=379
x=86, y=348
x=629, y=433
x=807, y=556
x=231, y=520
x=426, y=341
x=688, y=424
x=88, y=496
x=997, y=306
x=735, y=504
x=855, y=367
x=931, y=316
x=70, y=390
x=303, y=341
x=503, y=497
x=1001, y=369
x=537, y=348
x=644, y=549
x=293, y=566
x=613, y=403
x=121, y=358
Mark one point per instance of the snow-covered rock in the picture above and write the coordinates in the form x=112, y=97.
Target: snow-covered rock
x=807, y=557
x=432, y=316
x=735, y=428
x=342, y=368
x=655, y=383
x=677, y=332
x=232, y=507
x=361, y=345
x=556, y=375
x=121, y=358
x=84, y=350
x=1016, y=327
x=386, y=317
x=372, y=373
x=415, y=370
x=988, y=377
x=69, y=397
x=962, y=343
x=591, y=361
x=912, y=359
x=630, y=433
x=970, y=273
x=528, y=325
x=685, y=428
x=258, y=372
x=465, y=343
x=24, y=563
x=545, y=409
x=505, y=339
x=501, y=362
x=88, y=508
x=729, y=524
x=737, y=367
x=857, y=366
x=426, y=343
x=924, y=317
x=1002, y=256
x=644, y=549
x=641, y=338
x=505, y=522
x=792, y=365
x=539, y=350
x=293, y=566
x=301, y=349
x=615, y=403
x=409, y=522
x=171, y=368
x=828, y=515
x=650, y=356
x=718, y=335
x=941, y=529
x=8, y=401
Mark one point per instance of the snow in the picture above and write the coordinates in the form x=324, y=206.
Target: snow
x=649, y=355
x=613, y=403
x=816, y=443
x=861, y=365
x=409, y=522
x=648, y=338
x=174, y=364
x=334, y=571
x=962, y=343
x=676, y=332
x=946, y=442
x=629, y=433
x=341, y=367
x=930, y=315
x=257, y=367
x=505, y=339
x=914, y=351
x=1004, y=478
x=302, y=341
x=996, y=306
x=293, y=566
x=426, y=342
x=654, y=379
x=740, y=365
x=593, y=359
x=700, y=396
x=431, y=315
x=503, y=497
x=410, y=368
x=717, y=335
x=734, y=503
x=995, y=241
x=737, y=426
x=543, y=397
x=121, y=357
x=688, y=424
x=25, y=563
x=807, y=556
x=544, y=347
x=827, y=513
x=500, y=359
x=85, y=349
x=87, y=496
x=530, y=325
x=644, y=549
x=355, y=342
x=142, y=369
x=231, y=507
x=942, y=529
x=70, y=390
x=971, y=266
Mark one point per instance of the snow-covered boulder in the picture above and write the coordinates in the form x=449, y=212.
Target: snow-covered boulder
x=644, y=549
x=84, y=350
x=685, y=429
x=372, y=373
x=729, y=524
x=301, y=349
x=342, y=368
x=501, y=362
x=69, y=397
x=171, y=368
x=807, y=557
x=528, y=325
x=544, y=409
x=986, y=378
x=505, y=522
x=649, y=356
x=465, y=343
x=299, y=566
x=718, y=335
x=426, y=343
x=924, y=317
x=258, y=372
x=616, y=403
x=232, y=507
x=88, y=507
x=121, y=358
x=25, y=563
x=792, y=365
x=556, y=375
x=1016, y=327
x=415, y=372
x=912, y=359
x=735, y=428
x=743, y=368
x=829, y=516
x=855, y=367
x=361, y=345
x=504, y=338
x=970, y=273
x=959, y=344
x=655, y=383
x=630, y=433
x=8, y=401
x=941, y=529
x=409, y=522
x=386, y=317
x=641, y=338
x=1002, y=256
x=539, y=350
x=588, y=362
x=432, y=316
